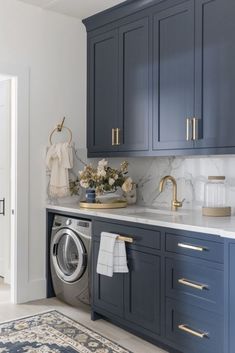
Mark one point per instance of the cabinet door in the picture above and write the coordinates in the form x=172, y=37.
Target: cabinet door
x=134, y=69
x=107, y=292
x=142, y=290
x=102, y=91
x=215, y=72
x=173, y=75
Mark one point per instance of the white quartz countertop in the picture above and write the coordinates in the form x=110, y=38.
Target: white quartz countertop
x=191, y=220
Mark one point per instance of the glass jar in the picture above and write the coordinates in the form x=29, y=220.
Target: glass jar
x=215, y=192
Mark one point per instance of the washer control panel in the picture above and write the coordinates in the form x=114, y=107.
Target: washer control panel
x=78, y=225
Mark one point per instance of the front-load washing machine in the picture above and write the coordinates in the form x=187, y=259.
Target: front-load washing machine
x=70, y=259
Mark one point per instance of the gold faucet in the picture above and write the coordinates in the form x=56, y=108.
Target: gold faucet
x=175, y=204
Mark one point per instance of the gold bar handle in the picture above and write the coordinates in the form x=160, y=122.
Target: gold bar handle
x=195, y=129
x=113, y=137
x=191, y=247
x=192, y=332
x=116, y=137
x=192, y=284
x=118, y=140
x=125, y=239
x=188, y=129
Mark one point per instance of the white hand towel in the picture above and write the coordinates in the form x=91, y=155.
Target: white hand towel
x=112, y=255
x=59, y=160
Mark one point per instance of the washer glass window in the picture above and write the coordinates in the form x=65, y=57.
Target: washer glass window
x=68, y=255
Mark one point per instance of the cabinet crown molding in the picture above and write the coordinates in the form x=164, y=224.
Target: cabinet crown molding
x=117, y=12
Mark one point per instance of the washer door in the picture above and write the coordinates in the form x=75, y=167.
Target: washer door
x=68, y=255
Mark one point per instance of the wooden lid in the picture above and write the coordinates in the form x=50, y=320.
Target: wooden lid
x=216, y=177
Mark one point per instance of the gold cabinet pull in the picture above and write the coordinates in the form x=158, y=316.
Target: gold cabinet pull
x=192, y=332
x=192, y=284
x=191, y=247
x=188, y=129
x=113, y=137
x=195, y=129
x=116, y=137
x=125, y=239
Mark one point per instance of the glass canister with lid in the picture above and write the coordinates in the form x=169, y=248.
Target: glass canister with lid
x=215, y=197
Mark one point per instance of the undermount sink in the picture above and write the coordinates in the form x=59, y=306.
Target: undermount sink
x=153, y=212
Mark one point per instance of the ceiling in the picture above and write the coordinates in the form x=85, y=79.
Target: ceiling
x=76, y=8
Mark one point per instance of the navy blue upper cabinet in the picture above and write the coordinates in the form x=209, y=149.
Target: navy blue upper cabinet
x=118, y=93
x=215, y=72
x=102, y=91
x=134, y=85
x=107, y=291
x=173, y=76
x=162, y=74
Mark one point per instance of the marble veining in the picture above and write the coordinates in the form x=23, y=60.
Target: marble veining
x=190, y=172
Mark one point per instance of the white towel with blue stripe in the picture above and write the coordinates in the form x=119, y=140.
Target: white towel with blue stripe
x=112, y=255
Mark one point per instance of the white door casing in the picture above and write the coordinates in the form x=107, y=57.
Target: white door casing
x=5, y=165
x=19, y=180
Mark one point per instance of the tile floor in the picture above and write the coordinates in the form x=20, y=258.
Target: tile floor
x=10, y=311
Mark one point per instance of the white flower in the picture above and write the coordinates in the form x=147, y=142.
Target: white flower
x=103, y=163
x=111, y=181
x=84, y=184
x=101, y=172
x=127, y=185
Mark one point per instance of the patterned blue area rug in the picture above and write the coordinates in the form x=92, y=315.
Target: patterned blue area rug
x=52, y=332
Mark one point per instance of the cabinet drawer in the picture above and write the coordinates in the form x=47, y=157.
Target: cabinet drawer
x=141, y=237
x=193, y=330
x=200, y=248
x=195, y=284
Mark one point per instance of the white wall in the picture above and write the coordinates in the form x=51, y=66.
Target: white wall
x=53, y=47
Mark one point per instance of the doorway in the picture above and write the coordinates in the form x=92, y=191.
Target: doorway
x=6, y=90
x=18, y=181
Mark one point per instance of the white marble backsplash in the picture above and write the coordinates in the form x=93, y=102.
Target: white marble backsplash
x=190, y=172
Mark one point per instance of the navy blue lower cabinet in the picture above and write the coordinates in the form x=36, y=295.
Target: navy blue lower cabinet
x=209, y=250
x=107, y=292
x=142, y=290
x=177, y=293
x=194, y=330
x=230, y=297
x=195, y=284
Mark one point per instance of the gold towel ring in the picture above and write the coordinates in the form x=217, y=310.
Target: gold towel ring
x=64, y=127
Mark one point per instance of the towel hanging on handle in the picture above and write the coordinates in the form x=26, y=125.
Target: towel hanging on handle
x=112, y=255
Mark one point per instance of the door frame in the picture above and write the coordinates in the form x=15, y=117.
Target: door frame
x=20, y=143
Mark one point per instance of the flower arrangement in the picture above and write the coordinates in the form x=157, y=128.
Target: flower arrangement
x=103, y=178
x=74, y=186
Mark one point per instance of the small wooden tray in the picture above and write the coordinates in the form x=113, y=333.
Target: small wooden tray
x=216, y=211
x=115, y=204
